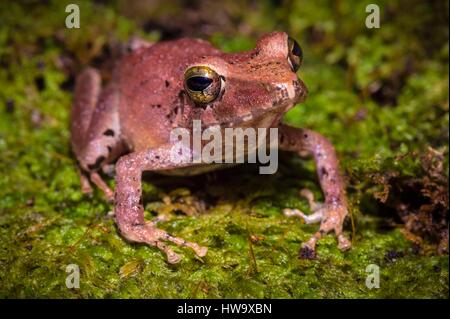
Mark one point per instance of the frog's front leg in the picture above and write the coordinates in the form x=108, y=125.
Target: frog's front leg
x=332, y=212
x=129, y=211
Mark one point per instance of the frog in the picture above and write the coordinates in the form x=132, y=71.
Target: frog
x=125, y=126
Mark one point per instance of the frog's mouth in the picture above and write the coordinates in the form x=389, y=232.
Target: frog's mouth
x=262, y=118
x=268, y=116
x=284, y=97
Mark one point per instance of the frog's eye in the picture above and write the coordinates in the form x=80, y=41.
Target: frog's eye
x=202, y=84
x=295, y=55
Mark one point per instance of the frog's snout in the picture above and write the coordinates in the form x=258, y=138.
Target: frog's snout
x=300, y=89
x=290, y=92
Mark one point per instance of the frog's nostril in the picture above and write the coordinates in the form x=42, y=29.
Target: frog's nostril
x=300, y=90
x=282, y=93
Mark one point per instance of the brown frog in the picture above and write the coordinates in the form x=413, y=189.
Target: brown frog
x=157, y=87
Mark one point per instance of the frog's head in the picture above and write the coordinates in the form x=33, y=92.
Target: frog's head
x=253, y=88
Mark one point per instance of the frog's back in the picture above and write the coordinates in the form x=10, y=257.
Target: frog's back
x=150, y=81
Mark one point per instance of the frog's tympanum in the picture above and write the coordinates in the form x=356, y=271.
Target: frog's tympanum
x=158, y=87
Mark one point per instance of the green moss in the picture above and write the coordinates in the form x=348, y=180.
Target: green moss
x=47, y=224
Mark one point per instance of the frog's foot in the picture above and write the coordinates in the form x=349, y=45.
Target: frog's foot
x=331, y=217
x=100, y=183
x=85, y=184
x=95, y=178
x=149, y=234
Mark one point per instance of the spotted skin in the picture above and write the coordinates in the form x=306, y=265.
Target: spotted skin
x=127, y=123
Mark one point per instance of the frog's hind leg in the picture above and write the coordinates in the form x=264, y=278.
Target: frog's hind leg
x=94, y=129
x=87, y=91
x=86, y=95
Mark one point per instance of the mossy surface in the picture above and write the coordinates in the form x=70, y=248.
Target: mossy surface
x=381, y=96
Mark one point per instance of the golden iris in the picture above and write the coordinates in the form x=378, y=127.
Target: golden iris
x=202, y=83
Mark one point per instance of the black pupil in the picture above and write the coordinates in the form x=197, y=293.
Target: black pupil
x=296, y=50
x=198, y=83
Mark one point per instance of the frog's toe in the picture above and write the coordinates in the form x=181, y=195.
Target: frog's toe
x=307, y=252
x=153, y=236
x=198, y=250
x=150, y=235
x=343, y=243
x=201, y=251
x=309, y=219
x=173, y=257
x=100, y=183
x=86, y=187
x=331, y=217
x=317, y=208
